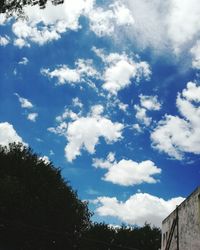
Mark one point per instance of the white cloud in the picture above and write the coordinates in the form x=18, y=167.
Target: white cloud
x=123, y=106
x=149, y=102
x=137, y=127
x=120, y=70
x=24, y=61
x=97, y=110
x=142, y=116
x=105, y=164
x=45, y=159
x=118, y=76
x=8, y=134
x=150, y=26
x=64, y=74
x=183, y=21
x=32, y=117
x=77, y=103
x=4, y=40
x=138, y=209
x=29, y=32
x=85, y=132
x=60, y=129
x=67, y=114
x=176, y=135
x=104, y=21
x=45, y=25
x=172, y=24
x=192, y=93
x=19, y=42
x=127, y=172
x=25, y=103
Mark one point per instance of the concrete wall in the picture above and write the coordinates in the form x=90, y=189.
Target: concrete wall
x=188, y=225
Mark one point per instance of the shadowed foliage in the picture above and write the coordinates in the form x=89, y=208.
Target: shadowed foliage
x=38, y=209
x=102, y=237
x=10, y=7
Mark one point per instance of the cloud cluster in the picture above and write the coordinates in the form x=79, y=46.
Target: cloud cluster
x=138, y=208
x=147, y=103
x=65, y=75
x=8, y=134
x=120, y=70
x=127, y=172
x=85, y=132
x=176, y=135
x=45, y=25
x=25, y=103
x=103, y=21
x=48, y=24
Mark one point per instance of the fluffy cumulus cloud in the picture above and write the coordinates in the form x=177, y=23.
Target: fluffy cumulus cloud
x=127, y=172
x=83, y=70
x=120, y=70
x=8, y=134
x=176, y=135
x=138, y=209
x=85, y=132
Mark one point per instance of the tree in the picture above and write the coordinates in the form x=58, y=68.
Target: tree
x=38, y=209
x=10, y=7
x=100, y=236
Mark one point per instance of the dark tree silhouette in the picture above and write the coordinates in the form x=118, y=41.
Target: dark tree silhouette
x=102, y=237
x=38, y=209
x=10, y=7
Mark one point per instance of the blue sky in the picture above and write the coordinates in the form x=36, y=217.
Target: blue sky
x=108, y=91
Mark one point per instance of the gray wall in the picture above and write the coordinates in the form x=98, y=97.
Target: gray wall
x=188, y=225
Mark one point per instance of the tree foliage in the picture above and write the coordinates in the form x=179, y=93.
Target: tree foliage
x=38, y=209
x=100, y=236
x=10, y=7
